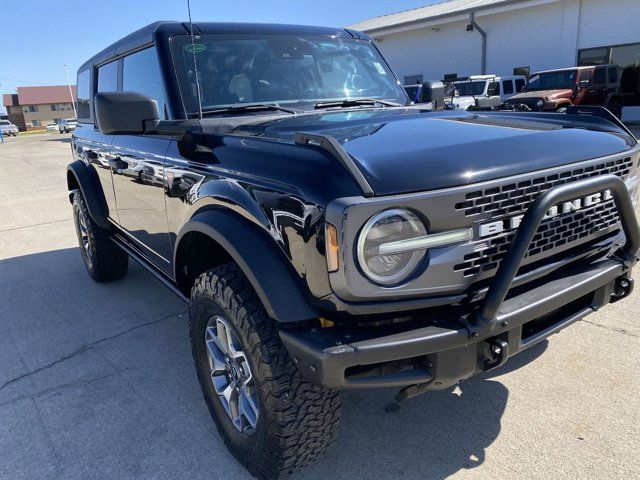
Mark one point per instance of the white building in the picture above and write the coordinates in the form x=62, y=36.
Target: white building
x=460, y=37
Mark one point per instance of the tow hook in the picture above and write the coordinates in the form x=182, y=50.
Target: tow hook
x=497, y=355
x=622, y=288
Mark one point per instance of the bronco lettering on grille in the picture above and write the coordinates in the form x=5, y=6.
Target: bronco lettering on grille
x=511, y=223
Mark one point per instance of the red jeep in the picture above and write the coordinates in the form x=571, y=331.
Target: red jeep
x=555, y=90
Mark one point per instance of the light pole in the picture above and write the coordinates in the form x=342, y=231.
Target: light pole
x=73, y=103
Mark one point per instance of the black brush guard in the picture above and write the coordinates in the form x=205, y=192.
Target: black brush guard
x=438, y=356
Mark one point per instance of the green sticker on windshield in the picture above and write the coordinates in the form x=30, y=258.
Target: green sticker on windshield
x=195, y=47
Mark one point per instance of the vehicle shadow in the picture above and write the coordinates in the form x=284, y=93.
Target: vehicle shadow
x=71, y=337
x=61, y=139
x=431, y=436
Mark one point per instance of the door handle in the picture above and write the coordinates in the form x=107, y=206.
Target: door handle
x=118, y=163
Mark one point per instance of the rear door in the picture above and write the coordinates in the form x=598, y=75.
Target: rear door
x=138, y=166
x=508, y=89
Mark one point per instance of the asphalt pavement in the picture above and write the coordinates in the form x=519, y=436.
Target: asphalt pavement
x=96, y=380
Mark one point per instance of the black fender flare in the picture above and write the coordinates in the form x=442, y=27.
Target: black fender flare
x=87, y=181
x=260, y=259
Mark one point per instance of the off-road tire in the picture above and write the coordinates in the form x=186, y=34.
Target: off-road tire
x=297, y=420
x=107, y=261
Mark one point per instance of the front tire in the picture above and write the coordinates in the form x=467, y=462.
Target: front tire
x=287, y=422
x=103, y=259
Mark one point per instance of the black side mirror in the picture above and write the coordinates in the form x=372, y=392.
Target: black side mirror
x=124, y=112
x=433, y=91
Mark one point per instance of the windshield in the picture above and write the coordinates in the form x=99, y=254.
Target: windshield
x=470, y=88
x=552, y=80
x=284, y=69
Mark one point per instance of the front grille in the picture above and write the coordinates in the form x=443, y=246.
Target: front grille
x=530, y=102
x=515, y=198
x=552, y=234
x=555, y=233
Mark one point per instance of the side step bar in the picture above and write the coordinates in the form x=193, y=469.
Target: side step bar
x=142, y=260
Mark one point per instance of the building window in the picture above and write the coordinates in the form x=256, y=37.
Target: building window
x=526, y=71
x=36, y=123
x=56, y=107
x=593, y=56
x=30, y=108
x=141, y=73
x=412, y=79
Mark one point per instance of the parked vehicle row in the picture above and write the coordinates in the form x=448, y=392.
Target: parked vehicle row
x=7, y=128
x=555, y=90
x=545, y=91
x=67, y=125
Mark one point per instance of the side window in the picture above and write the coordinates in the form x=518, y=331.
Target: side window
x=108, y=77
x=84, y=96
x=520, y=83
x=494, y=89
x=585, y=76
x=599, y=77
x=613, y=74
x=141, y=73
x=507, y=87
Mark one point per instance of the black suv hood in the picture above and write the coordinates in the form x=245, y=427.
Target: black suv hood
x=405, y=150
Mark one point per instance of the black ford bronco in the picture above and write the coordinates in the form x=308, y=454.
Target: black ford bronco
x=326, y=233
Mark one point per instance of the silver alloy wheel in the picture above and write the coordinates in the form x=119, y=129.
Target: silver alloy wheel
x=231, y=375
x=82, y=225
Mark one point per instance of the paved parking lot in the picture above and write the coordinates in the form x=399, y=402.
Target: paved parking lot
x=96, y=381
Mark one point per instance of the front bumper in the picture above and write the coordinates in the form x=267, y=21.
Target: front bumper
x=507, y=321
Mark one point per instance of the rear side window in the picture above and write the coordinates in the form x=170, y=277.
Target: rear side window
x=141, y=73
x=507, y=87
x=585, y=75
x=108, y=77
x=84, y=96
x=613, y=74
x=520, y=83
x=599, y=76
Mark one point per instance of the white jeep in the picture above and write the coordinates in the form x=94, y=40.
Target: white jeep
x=485, y=92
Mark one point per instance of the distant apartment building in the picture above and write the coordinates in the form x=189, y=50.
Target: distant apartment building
x=34, y=107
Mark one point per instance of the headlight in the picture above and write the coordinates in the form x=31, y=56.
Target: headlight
x=386, y=227
x=540, y=103
x=392, y=245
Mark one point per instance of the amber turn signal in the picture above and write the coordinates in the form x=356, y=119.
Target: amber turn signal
x=331, y=243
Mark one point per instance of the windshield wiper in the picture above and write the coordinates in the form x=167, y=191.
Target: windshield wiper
x=354, y=102
x=249, y=107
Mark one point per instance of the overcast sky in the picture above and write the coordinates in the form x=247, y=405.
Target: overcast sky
x=42, y=36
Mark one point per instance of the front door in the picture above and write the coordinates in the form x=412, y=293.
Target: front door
x=137, y=163
x=138, y=166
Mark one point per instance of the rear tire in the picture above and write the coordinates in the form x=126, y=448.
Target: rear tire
x=103, y=259
x=295, y=421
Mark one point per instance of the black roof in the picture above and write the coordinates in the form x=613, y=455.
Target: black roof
x=146, y=35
